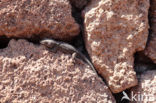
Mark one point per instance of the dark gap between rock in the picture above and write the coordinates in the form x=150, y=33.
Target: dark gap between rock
x=4, y=42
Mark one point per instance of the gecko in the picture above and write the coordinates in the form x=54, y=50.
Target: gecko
x=65, y=47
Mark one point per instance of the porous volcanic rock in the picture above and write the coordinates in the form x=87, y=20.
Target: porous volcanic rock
x=32, y=74
x=41, y=18
x=80, y=4
x=145, y=91
x=114, y=31
x=151, y=46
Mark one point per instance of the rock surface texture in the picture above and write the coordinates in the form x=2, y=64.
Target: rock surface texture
x=32, y=74
x=28, y=18
x=146, y=88
x=151, y=47
x=114, y=31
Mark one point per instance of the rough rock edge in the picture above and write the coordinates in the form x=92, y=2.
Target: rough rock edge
x=127, y=76
x=150, y=50
x=31, y=18
x=31, y=73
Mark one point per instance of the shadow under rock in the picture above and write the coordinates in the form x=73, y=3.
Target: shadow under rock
x=143, y=63
x=4, y=42
x=119, y=96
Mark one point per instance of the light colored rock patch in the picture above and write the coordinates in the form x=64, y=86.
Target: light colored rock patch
x=32, y=74
x=42, y=18
x=114, y=31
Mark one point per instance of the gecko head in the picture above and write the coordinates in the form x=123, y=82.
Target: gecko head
x=48, y=43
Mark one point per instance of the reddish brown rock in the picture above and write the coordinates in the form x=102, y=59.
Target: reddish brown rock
x=151, y=47
x=145, y=92
x=42, y=18
x=114, y=31
x=31, y=74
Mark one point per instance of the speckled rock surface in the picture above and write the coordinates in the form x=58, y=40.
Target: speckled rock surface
x=151, y=47
x=42, y=18
x=32, y=74
x=114, y=31
x=146, y=88
x=80, y=4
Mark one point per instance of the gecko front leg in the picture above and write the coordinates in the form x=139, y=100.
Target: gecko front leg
x=74, y=56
